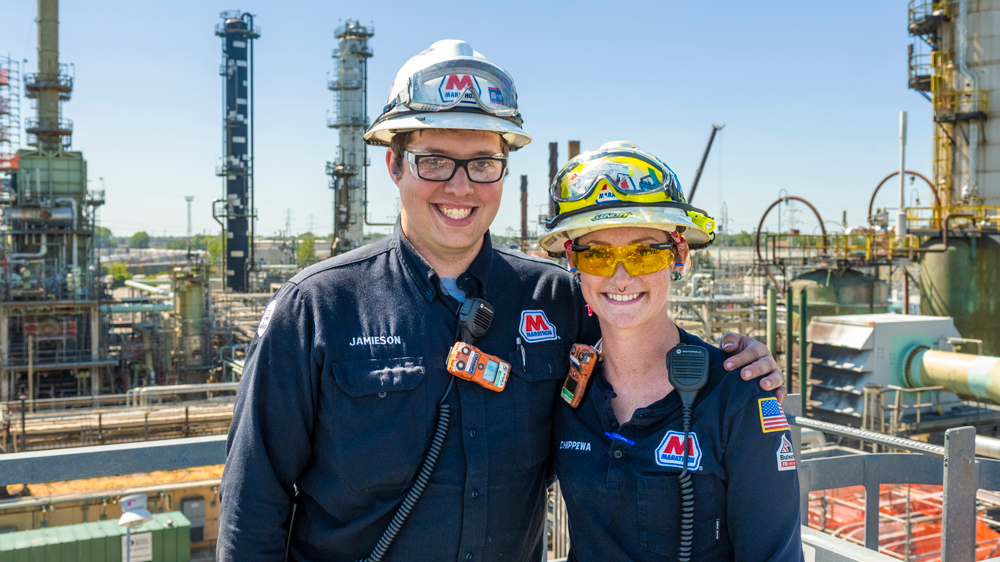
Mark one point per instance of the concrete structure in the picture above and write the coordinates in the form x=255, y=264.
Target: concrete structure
x=349, y=171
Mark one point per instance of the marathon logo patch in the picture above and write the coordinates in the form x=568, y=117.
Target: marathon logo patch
x=535, y=327
x=772, y=417
x=786, y=456
x=671, y=451
x=266, y=319
x=452, y=86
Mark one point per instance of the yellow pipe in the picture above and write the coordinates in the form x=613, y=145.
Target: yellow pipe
x=960, y=373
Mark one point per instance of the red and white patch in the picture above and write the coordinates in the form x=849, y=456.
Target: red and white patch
x=535, y=327
x=266, y=319
x=786, y=455
x=671, y=450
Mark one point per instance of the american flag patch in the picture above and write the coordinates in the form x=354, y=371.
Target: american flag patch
x=772, y=417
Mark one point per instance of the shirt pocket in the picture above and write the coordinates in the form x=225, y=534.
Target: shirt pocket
x=660, y=513
x=381, y=412
x=535, y=385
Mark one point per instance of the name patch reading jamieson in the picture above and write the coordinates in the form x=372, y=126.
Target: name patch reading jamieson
x=376, y=340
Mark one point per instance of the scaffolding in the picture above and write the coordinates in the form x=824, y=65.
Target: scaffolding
x=10, y=116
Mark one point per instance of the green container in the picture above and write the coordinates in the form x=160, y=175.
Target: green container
x=99, y=541
x=964, y=282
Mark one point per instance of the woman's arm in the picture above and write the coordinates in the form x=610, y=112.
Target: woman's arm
x=762, y=491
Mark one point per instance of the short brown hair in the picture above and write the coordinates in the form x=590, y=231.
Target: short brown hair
x=401, y=141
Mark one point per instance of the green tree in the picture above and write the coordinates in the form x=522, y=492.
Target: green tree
x=119, y=272
x=177, y=244
x=139, y=240
x=104, y=237
x=306, y=254
x=215, y=248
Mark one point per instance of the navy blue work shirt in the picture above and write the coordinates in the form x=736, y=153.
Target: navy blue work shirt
x=339, y=401
x=620, y=481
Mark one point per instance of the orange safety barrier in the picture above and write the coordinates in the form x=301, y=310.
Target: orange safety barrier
x=841, y=512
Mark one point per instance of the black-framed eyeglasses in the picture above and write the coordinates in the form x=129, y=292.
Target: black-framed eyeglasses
x=434, y=167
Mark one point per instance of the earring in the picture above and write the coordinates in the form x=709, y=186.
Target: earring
x=674, y=276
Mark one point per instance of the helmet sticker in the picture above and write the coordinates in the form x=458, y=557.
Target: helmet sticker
x=455, y=85
x=606, y=194
x=605, y=216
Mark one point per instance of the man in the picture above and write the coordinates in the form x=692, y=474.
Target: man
x=345, y=385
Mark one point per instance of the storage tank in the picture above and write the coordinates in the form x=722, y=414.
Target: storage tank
x=189, y=300
x=839, y=292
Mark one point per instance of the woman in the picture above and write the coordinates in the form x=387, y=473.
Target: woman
x=619, y=454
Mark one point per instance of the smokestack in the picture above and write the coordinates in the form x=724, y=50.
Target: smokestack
x=553, y=170
x=524, y=214
x=574, y=149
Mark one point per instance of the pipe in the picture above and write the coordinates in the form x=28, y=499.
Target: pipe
x=963, y=45
x=901, y=212
x=127, y=308
x=141, y=395
x=72, y=204
x=987, y=446
x=147, y=288
x=772, y=318
x=695, y=284
x=40, y=252
x=959, y=373
x=871, y=203
x=756, y=241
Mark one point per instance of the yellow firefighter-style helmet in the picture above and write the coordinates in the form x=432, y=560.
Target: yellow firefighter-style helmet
x=616, y=185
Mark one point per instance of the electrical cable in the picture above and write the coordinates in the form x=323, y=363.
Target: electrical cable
x=687, y=369
x=474, y=319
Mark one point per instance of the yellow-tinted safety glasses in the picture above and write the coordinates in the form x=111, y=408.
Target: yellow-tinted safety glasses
x=639, y=259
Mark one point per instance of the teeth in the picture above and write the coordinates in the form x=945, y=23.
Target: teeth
x=455, y=212
x=623, y=298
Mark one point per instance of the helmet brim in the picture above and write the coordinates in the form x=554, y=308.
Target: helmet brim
x=661, y=218
x=381, y=133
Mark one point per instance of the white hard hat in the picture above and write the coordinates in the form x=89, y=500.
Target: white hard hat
x=450, y=86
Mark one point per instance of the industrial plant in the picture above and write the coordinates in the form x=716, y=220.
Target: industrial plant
x=888, y=332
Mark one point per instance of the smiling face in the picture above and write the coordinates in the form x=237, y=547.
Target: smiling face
x=447, y=220
x=622, y=301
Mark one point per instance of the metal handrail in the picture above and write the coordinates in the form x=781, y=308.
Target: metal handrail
x=868, y=436
x=971, y=101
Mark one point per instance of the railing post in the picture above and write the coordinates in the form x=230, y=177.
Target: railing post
x=961, y=482
x=789, y=337
x=871, y=514
x=772, y=319
x=803, y=351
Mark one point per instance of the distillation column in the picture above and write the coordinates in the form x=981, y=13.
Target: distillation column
x=348, y=173
x=962, y=74
x=238, y=32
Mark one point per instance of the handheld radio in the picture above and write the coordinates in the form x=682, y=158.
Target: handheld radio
x=687, y=370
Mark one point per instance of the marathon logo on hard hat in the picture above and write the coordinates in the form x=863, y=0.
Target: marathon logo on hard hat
x=535, y=327
x=606, y=194
x=671, y=451
x=453, y=85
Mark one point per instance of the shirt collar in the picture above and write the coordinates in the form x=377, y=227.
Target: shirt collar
x=475, y=280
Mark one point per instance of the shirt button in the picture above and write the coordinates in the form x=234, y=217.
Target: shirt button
x=381, y=395
x=428, y=292
x=468, y=556
x=475, y=494
x=614, y=425
x=472, y=433
x=618, y=454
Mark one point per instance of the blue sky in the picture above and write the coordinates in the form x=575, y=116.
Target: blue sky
x=809, y=92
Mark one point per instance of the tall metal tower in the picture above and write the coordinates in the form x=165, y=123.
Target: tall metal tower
x=349, y=173
x=189, y=199
x=238, y=32
x=50, y=321
x=10, y=113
